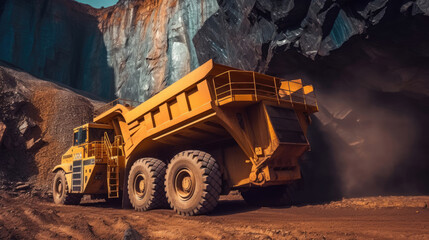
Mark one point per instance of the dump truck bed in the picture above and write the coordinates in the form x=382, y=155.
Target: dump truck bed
x=208, y=106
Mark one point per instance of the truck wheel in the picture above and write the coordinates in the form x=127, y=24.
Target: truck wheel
x=146, y=184
x=281, y=195
x=60, y=191
x=193, y=183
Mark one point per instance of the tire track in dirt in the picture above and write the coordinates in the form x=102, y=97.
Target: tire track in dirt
x=30, y=218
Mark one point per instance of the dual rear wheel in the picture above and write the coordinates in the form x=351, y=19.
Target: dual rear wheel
x=145, y=184
x=191, y=184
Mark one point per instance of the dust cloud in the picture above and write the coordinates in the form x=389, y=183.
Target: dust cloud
x=370, y=137
x=371, y=140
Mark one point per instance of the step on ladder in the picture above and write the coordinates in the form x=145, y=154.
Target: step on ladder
x=112, y=169
x=113, y=178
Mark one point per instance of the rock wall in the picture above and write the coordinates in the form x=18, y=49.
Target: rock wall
x=36, y=125
x=58, y=40
x=136, y=48
x=150, y=43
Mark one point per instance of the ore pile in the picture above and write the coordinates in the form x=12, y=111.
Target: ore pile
x=36, y=122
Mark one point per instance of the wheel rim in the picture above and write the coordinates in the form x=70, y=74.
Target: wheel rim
x=184, y=184
x=139, y=186
x=59, y=188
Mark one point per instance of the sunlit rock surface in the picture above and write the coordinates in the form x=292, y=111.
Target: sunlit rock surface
x=150, y=43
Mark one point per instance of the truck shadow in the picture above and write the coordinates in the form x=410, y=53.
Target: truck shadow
x=224, y=207
x=228, y=207
x=101, y=204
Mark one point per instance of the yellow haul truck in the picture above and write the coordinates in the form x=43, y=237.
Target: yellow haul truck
x=216, y=129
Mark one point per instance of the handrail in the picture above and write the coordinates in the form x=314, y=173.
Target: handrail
x=118, y=144
x=290, y=95
x=214, y=88
x=99, y=149
x=93, y=148
x=277, y=95
x=230, y=85
x=254, y=84
x=237, y=83
x=261, y=88
x=108, y=145
x=230, y=71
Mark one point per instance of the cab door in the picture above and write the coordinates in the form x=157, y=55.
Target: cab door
x=80, y=138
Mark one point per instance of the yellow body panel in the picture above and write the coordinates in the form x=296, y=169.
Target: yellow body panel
x=183, y=115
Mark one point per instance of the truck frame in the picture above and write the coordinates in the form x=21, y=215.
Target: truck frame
x=216, y=129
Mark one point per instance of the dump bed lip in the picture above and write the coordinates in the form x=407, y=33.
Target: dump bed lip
x=104, y=117
x=94, y=125
x=199, y=74
x=189, y=80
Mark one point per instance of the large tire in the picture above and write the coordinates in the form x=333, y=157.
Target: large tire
x=146, y=184
x=60, y=191
x=193, y=183
x=271, y=196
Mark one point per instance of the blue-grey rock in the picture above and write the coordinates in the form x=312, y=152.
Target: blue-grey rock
x=57, y=40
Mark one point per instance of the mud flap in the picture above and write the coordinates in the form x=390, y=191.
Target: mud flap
x=292, y=142
x=286, y=125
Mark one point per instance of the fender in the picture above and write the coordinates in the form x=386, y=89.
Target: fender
x=66, y=167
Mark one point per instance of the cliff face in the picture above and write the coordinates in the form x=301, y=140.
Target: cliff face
x=136, y=48
x=150, y=42
x=57, y=40
x=368, y=60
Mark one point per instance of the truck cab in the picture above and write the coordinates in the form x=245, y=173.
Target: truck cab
x=87, y=164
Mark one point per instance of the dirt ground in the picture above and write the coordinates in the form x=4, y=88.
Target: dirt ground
x=25, y=217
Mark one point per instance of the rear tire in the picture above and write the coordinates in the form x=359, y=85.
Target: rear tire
x=146, y=184
x=193, y=183
x=271, y=196
x=60, y=191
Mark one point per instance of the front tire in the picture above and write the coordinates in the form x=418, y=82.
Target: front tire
x=60, y=191
x=193, y=183
x=146, y=184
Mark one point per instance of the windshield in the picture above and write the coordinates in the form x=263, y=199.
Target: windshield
x=75, y=141
x=79, y=137
x=97, y=134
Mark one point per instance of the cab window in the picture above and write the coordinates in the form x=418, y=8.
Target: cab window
x=75, y=140
x=79, y=137
x=97, y=134
x=83, y=138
